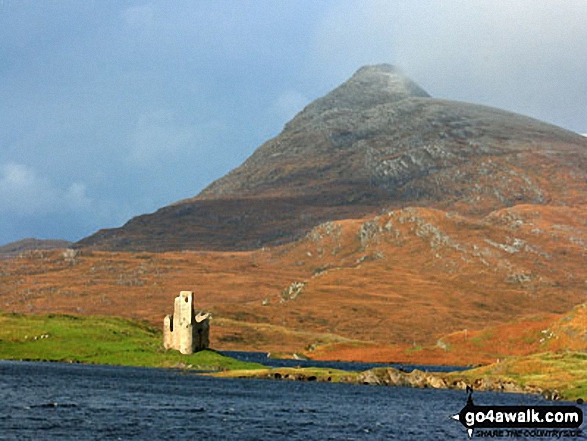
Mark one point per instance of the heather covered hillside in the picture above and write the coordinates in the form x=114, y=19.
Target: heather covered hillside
x=415, y=284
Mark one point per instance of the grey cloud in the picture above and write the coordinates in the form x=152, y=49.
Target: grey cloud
x=24, y=191
x=156, y=136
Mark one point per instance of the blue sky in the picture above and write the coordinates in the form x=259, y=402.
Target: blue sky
x=111, y=109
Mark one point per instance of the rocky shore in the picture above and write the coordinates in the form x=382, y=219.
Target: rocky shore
x=388, y=376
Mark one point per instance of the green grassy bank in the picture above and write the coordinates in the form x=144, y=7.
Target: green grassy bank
x=98, y=340
x=563, y=372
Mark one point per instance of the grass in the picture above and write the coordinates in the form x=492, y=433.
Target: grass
x=294, y=373
x=99, y=340
x=563, y=372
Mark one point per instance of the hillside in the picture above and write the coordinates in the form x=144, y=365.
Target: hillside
x=378, y=141
x=25, y=245
x=414, y=284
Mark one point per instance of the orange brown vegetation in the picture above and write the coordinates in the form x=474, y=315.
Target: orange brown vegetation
x=410, y=285
x=462, y=348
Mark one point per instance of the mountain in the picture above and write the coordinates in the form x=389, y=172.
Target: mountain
x=378, y=141
x=22, y=246
x=401, y=228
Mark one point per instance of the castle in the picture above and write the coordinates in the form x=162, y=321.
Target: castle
x=185, y=330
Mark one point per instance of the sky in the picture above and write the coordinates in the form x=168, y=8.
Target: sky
x=110, y=109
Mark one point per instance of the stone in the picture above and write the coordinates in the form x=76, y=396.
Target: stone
x=436, y=382
x=184, y=330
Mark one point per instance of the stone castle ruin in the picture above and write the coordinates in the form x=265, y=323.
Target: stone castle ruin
x=185, y=330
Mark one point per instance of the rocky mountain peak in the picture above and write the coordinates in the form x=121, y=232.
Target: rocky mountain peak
x=376, y=141
x=370, y=86
x=388, y=80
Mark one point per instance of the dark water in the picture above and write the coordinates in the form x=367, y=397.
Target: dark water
x=65, y=402
x=261, y=357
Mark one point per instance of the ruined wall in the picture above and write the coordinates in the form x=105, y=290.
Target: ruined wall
x=184, y=330
x=168, y=332
x=201, y=335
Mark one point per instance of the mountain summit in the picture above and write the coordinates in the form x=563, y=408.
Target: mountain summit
x=368, y=87
x=377, y=141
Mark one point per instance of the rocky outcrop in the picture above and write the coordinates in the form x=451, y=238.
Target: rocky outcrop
x=388, y=376
x=453, y=380
x=292, y=291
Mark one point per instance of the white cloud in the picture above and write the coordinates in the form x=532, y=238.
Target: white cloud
x=161, y=137
x=24, y=192
x=75, y=196
x=157, y=136
x=288, y=104
x=527, y=56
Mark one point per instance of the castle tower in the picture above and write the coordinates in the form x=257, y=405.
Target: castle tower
x=185, y=330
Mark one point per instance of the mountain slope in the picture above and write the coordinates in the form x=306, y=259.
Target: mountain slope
x=14, y=249
x=415, y=284
x=377, y=141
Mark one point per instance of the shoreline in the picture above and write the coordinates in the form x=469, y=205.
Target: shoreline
x=382, y=377
x=392, y=377
x=123, y=342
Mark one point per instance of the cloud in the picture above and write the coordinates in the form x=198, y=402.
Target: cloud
x=287, y=105
x=24, y=192
x=32, y=205
x=157, y=136
x=528, y=56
